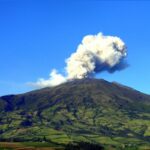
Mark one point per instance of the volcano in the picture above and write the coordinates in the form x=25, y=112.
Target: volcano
x=89, y=110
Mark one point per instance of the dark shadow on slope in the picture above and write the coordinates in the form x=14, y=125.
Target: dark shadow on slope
x=83, y=146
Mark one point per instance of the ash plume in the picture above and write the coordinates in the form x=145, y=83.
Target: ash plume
x=95, y=54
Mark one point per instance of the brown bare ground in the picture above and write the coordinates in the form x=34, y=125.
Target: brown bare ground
x=31, y=148
x=19, y=146
x=10, y=145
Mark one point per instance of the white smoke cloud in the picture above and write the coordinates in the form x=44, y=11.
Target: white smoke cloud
x=95, y=54
x=54, y=79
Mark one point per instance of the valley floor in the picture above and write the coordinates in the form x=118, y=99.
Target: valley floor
x=48, y=146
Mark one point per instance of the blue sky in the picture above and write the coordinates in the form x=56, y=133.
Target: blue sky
x=38, y=35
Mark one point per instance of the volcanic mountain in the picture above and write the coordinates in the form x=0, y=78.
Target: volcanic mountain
x=90, y=110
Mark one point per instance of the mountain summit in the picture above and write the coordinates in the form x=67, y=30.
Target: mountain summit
x=91, y=110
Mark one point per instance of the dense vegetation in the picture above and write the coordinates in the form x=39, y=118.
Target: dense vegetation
x=89, y=110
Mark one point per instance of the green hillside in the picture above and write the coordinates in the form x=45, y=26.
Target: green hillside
x=89, y=110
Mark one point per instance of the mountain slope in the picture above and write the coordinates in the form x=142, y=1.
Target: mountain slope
x=88, y=110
